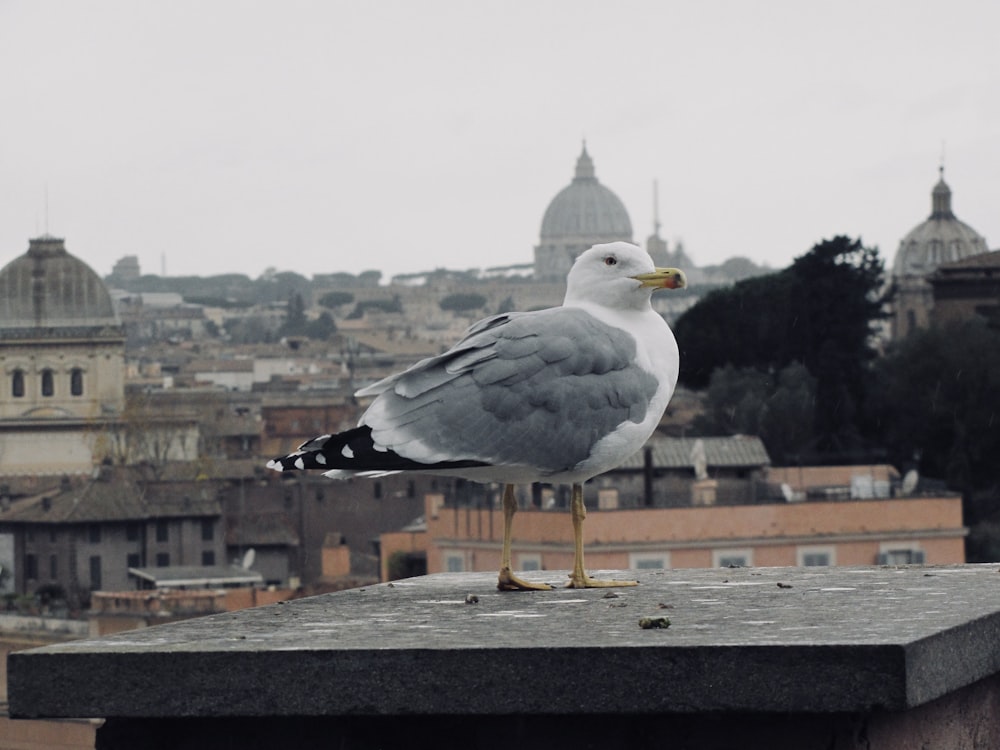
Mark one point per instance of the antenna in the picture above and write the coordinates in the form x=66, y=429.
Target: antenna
x=941, y=166
x=656, y=208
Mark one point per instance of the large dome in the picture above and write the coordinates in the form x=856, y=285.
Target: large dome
x=942, y=238
x=586, y=209
x=49, y=288
x=584, y=213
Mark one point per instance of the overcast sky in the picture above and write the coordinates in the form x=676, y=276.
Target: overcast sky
x=230, y=136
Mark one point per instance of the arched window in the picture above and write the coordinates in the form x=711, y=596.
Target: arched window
x=17, y=384
x=48, y=383
x=76, y=381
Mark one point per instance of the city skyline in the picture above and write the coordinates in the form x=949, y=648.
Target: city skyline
x=324, y=137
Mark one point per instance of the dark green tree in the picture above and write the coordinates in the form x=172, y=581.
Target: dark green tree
x=935, y=400
x=322, y=328
x=779, y=409
x=295, y=317
x=462, y=302
x=820, y=311
x=336, y=299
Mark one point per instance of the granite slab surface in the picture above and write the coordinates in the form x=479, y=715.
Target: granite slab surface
x=741, y=639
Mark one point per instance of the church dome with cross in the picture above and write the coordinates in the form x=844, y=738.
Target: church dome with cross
x=941, y=238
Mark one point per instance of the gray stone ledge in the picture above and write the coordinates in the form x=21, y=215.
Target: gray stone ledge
x=816, y=640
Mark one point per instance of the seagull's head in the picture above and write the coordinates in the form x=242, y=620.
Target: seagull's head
x=618, y=275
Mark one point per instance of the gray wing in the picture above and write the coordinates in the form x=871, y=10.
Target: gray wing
x=536, y=389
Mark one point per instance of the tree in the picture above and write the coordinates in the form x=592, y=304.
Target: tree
x=779, y=409
x=820, y=311
x=935, y=402
x=935, y=398
x=295, y=317
x=336, y=299
x=152, y=430
x=322, y=328
x=462, y=302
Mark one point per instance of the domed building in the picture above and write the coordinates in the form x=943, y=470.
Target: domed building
x=62, y=361
x=582, y=214
x=941, y=239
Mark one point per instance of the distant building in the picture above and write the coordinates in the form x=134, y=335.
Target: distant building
x=126, y=269
x=941, y=239
x=967, y=289
x=582, y=214
x=62, y=361
x=84, y=535
x=684, y=503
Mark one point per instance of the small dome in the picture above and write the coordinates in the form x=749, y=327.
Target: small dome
x=49, y=288
x=586, y=210
x=942, y=238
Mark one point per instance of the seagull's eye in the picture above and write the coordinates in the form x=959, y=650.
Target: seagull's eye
x=611, y=261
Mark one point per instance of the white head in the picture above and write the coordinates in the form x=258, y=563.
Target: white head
x=618, y=275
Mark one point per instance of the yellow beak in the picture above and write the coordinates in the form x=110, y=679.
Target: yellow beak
x=663, y=278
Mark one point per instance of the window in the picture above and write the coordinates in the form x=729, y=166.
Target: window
x=48, y=383
x=30, y=567
x=454, y=563
x=732, y=558
x=900, y=556
x=76, y=381
x=529, y=562
x=207, y=557
x=649, y=561
x=162, y=531
x=94, y=533
x=163, y=559
x=207, y=529
x=17, y=384
x=812, y=556
x=132, y=532
x=133, y=560
x=95, y=572
x=53, y=567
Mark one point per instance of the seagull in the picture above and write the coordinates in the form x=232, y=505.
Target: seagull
x=557, y=395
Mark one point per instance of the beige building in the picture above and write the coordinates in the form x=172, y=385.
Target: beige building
x=62, y=361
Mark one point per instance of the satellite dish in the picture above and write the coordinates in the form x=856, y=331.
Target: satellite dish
x=788, y=492
x=910, y=481
x=248, y=559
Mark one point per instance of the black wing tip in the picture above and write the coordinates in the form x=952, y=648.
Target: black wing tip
x=354, y=450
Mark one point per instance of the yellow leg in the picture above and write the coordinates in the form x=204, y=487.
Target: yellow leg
x=507, y=581
x=579, y=579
